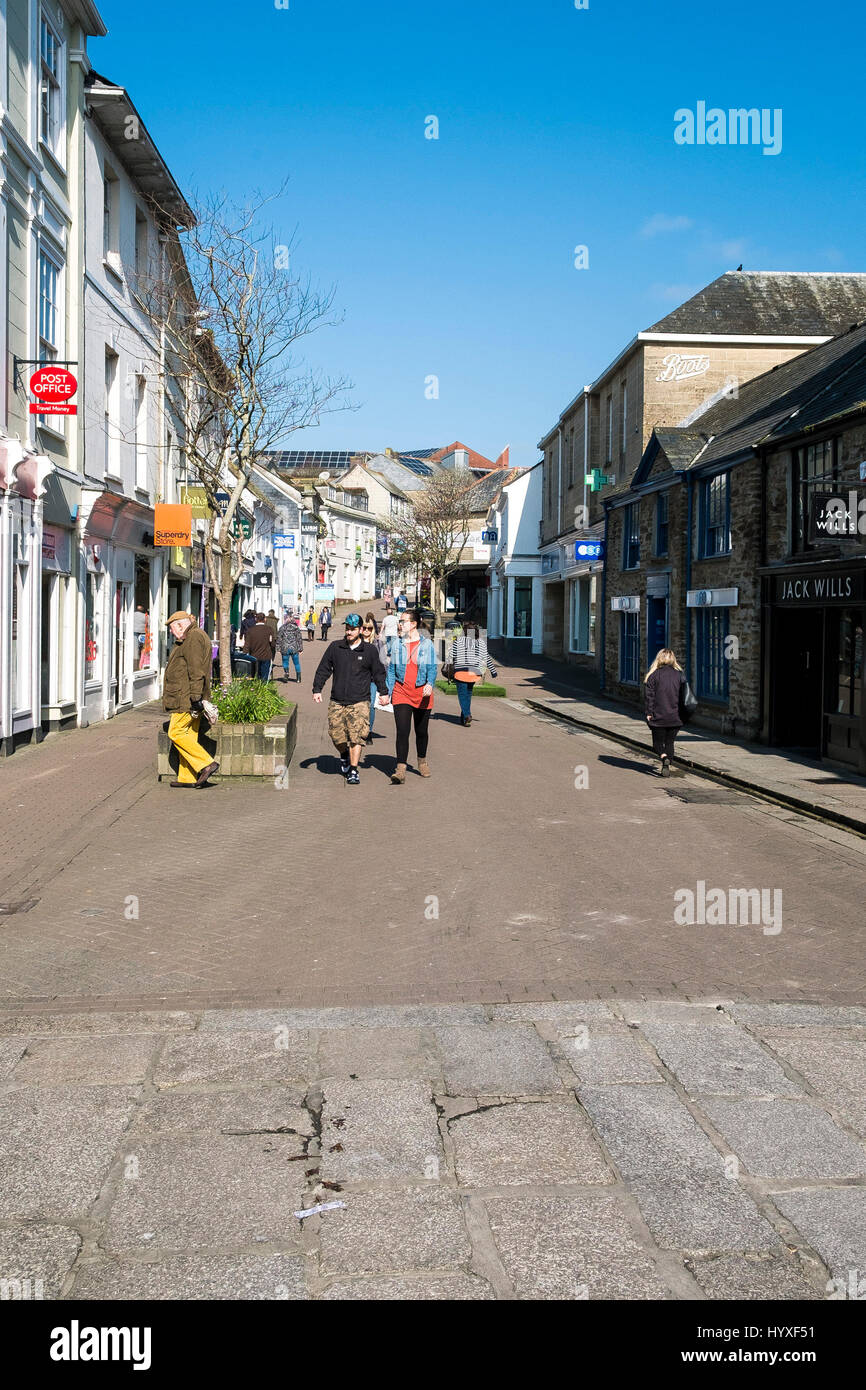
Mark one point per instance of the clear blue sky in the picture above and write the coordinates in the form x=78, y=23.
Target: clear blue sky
x=454, y=256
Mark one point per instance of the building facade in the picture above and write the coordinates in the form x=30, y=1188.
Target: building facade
x=514, y=612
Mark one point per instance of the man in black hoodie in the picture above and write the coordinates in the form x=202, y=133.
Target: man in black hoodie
x=355, y=666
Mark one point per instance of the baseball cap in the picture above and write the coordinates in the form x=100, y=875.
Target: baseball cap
x=352, y=620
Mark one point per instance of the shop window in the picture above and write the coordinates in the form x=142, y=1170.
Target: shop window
x=631, y=536
x=142, y=657
x=523, y=608
x=713, y=666
x=662, y=524
x=815, y=469
x=629, y=647
x=849, y=673
x=715, y=514
x=92, y=629
x=50, y=86
x=49, y=313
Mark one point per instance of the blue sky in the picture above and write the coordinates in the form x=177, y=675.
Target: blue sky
x=455, y=257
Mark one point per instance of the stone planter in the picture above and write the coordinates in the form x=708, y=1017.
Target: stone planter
x=245, y=752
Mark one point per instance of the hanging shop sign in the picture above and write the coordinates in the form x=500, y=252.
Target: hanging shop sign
x=262, y=580
x=589, y=550
x=196, y=497
x=172, y=524
x=712, y=598
x=629, y=603
x=284, y=542
x=241, y=526
x=52, y=386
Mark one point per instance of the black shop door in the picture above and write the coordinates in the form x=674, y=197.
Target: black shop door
x=798, y=679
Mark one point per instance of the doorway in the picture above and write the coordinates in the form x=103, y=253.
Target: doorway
x=797, y=692
x=656, y=627
x=123, y=595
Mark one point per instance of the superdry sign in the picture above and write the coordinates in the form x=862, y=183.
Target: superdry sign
x=52, y=387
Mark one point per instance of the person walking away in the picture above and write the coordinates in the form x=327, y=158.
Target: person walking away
x=272, y=622
x=410, y=684
x=402, y=602
x=310, y=622
x=469, y=661
x=665, y=681
x=353, y=664
x=387, y=594
x=249, y=620
x=186, y=684
x=370, y=633
x=260, y=645
x=389, y=631
x=290, y=641
x=325, y=622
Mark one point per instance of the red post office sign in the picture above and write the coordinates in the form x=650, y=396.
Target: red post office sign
x=52, y=387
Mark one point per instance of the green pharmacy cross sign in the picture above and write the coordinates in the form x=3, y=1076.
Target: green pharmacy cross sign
x=245, y=525
x=596, y=479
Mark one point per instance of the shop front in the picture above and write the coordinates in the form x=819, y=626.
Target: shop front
x=813, y=660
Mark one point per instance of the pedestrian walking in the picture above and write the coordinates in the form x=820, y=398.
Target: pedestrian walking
x=325, y=622
x=310, y=622
x=370, y=633
x=387, y=594
x=389, y=631
x=290, y=641
x=410, y=685
x=249, y=620
x=665, y=690
x=259, y=643
x=402, y=602
x=272, y=622
x=185, y=686
x=467, y=664
x=354, y=665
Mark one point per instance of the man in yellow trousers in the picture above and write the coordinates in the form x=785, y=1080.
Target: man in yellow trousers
x=186, y=684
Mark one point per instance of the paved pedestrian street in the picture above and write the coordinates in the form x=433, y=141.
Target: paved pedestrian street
x=489, y=1021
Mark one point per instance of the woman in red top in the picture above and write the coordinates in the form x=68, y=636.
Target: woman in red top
x=411, y=692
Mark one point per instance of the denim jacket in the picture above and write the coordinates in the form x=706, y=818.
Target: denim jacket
x=399, y=657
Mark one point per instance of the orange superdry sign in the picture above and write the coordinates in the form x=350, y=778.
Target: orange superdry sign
x=172, y=524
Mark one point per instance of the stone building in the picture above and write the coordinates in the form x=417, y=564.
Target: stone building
x=710, y=551
x=736, y=328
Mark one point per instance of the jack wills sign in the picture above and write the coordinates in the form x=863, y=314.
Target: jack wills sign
x=841, y=586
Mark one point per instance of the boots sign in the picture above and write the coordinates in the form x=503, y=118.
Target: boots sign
x=52, y=387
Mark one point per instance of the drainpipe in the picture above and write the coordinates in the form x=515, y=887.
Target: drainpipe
x=601, y=684
x=690, y=513
x=559, y=483
x=585, y=447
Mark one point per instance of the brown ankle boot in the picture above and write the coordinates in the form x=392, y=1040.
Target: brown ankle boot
x=399, y=774
x=423, y=768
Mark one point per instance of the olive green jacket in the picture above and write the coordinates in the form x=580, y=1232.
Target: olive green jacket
x=188, y=673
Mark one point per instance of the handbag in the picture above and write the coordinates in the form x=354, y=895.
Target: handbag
x=447, y=671
x=688, y=700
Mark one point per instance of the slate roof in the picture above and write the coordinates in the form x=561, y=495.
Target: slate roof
x=811, y=390
x=768, y=303
x=483, y=493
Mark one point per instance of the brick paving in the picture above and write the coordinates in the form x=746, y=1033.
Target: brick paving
x=497, y=879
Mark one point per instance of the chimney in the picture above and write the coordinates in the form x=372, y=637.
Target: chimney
x=502, y=461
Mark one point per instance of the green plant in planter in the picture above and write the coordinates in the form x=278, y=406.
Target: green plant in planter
x=246, y=700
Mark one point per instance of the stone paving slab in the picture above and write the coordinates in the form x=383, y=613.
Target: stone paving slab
x=572, y=1247
x=56, y=1145
x=700, y=1213
x=833, y=1222
x=761, y=1016
x=379, y=1129
x=526, y=1143
x=264, y=1109
x=41, y=1254
x=707, y=1058
x=793, y=1139
x=204, y=1191
x=380, y=1052
x=220, y=1058
x=395, y=1232
x=90, y=1060
x=833, y=1063
x=222, y=1277
x=11, y=1052
x=735, y=1276
x=565, y=1016
x=610, y=1058
x=385, y=1016
x=86, y=1024
x=496, y=1060
x=456, y=1288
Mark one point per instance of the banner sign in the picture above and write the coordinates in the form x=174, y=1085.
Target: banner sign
x=196, y=497
x=172, y=524
x=323, y=593
x=286, y=542
x=52, y=387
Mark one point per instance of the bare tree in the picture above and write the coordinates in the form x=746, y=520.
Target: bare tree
x=231, y=312
x=433, y=536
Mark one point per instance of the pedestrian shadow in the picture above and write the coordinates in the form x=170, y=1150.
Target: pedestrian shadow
x=379, y=762
x=631, y=763
x=323, y=762
x=446, y=718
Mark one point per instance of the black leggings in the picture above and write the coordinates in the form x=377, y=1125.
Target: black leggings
x=663, y=740
x=403, y=717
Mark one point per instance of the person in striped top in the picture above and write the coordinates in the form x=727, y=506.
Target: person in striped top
x=470, y=661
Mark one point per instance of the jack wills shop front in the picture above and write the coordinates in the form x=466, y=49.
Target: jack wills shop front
x=813, y=659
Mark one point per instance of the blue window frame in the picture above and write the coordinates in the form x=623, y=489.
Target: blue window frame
x=631, y=536
x=662, y=524
x=713, y=666
x=716, y=515
x=629, y=647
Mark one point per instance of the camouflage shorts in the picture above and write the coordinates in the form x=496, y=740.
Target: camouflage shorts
x=348, y=723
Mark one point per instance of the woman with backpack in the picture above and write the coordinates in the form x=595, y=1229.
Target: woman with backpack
x=467, y=665
x=290, y=640
x=667, y=696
